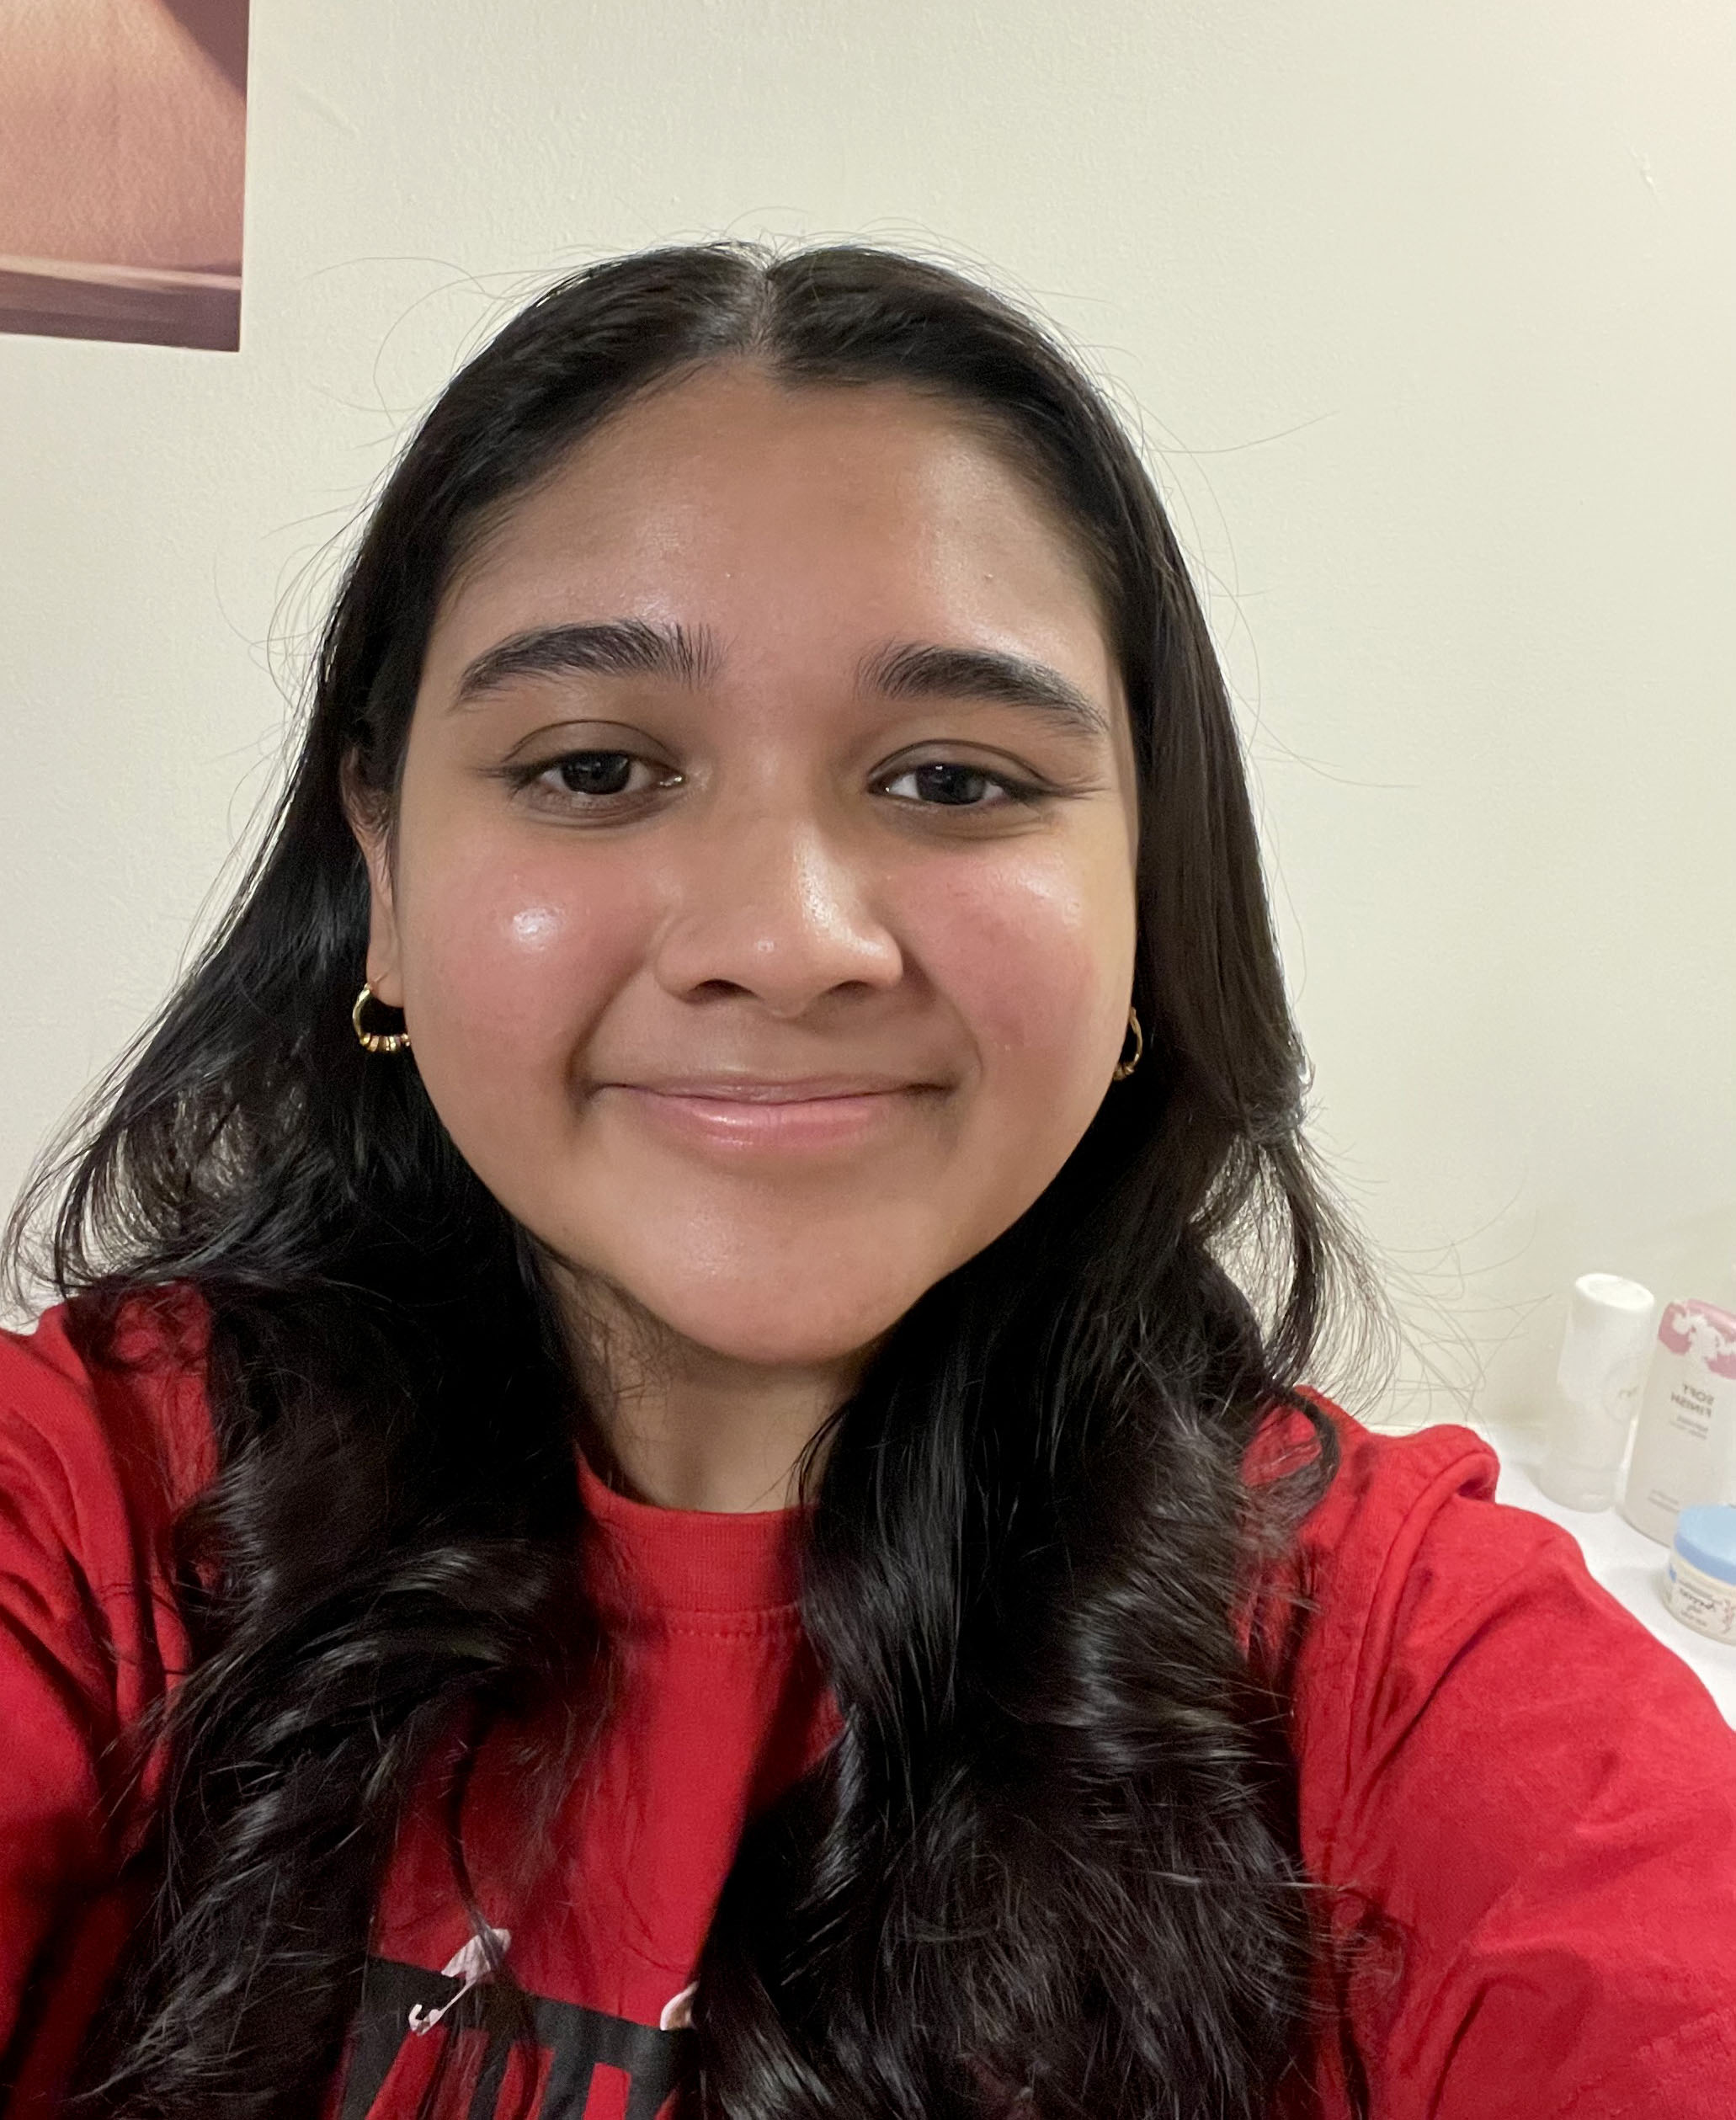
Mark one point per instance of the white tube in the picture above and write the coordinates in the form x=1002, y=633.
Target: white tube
x=1603, y=1364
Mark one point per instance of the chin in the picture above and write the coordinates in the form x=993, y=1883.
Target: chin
x=770, y=1309
x=784, y=1327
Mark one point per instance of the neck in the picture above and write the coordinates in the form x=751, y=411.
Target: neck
x=682, y=1426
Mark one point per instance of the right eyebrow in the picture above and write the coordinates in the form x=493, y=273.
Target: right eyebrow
x=609, y=647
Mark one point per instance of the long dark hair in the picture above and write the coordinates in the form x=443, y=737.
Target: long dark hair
x=1053, y=1853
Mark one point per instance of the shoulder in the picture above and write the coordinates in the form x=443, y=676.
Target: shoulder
x=1435, y=1615
x=1381, y=1479
x=99, y=1453
x=1352, y=1555
x=95, y=1443
x=1510, y=1773
x=101, y=1447
x=1334, y=1598
x=1417, y=1580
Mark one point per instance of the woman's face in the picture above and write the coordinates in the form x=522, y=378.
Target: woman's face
x=760, y=899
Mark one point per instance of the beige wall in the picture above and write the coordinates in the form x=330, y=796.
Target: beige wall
x=1430, y=313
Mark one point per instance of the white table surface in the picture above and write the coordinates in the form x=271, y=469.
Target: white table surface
x=1629, y=1564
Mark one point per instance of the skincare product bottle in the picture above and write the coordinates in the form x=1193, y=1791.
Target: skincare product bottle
x=1683, y=1449
x=1700, y=1585
x=1603, y=1365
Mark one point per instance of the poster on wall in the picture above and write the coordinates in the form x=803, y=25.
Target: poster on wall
x=122, y=131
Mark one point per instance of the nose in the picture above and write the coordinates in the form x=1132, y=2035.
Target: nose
x=769, y=907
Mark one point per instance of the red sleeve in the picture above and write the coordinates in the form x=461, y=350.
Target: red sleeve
x=92, y=1469
x=1534, y=1798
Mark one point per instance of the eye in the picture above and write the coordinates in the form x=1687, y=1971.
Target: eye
x=582, y=778
x=944, y=784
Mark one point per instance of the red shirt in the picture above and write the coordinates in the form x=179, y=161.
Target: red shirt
x=1490, y=1749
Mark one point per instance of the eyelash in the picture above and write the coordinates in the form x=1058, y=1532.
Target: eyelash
x=1016, y=790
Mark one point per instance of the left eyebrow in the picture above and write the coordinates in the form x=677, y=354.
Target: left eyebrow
x=911, y=670
x=609, y=648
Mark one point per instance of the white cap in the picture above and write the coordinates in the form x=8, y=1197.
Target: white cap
x=1610, y=1324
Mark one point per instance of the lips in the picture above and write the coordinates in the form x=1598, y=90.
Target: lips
x=773, y=1088
x=777, y=1115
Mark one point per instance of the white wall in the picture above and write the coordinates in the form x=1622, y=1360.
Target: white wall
x=1430, y=312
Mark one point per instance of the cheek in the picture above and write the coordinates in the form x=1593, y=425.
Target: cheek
x=507, y=962
x=1035, y=953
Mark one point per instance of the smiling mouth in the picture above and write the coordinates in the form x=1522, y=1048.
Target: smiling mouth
x=805, y=1114
x=775, y=1088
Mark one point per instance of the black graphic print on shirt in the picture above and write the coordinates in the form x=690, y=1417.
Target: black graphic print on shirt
x=576, y=2042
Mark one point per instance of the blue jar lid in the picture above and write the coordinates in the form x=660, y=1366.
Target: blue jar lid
x=1705, y=1538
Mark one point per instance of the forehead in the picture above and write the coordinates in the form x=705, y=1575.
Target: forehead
x=785, y=514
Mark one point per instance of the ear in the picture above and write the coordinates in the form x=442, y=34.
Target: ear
x=368, y=821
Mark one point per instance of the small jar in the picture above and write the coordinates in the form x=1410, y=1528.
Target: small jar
x=1701, y=1589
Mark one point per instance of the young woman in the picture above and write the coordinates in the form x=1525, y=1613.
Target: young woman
x=675, y=1469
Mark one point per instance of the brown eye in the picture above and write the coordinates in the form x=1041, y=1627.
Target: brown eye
x=595, y=772
x=607, y=782
x=946, y=784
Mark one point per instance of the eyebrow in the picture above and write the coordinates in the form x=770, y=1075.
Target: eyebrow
x=902, y=670
x=910, y=670
x=608, y=647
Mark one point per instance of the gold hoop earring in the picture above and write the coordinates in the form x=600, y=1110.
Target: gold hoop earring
x=1125, y=1068
x=375, y=1041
